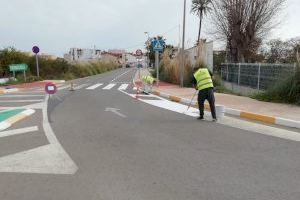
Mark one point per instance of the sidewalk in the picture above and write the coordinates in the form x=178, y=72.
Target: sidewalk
x=237, y=102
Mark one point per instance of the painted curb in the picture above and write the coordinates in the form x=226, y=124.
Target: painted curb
x=18, y=117
x=239, y=113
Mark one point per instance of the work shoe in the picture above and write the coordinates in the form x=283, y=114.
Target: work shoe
x=201, y=118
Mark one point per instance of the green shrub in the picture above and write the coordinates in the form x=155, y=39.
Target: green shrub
x=286, y=91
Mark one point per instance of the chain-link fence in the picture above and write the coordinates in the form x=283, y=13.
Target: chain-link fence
x=255, y=75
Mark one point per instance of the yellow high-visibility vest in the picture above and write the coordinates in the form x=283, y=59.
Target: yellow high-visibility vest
x=203, y=79
x=148, y=79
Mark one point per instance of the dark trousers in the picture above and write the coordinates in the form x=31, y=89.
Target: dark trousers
x=207, y=94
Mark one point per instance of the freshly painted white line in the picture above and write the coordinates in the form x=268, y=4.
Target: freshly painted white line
x=260, y=128
x=18, y=131
x=94, y=86
x=109, y=86
x=28, y=112
x=21, y=101
x=123, y=86
x=121, y=75
x=48, y=159
x=21, y=96
x=80, y=86
x=64, y=87
x=227, y=121
x=4, y=125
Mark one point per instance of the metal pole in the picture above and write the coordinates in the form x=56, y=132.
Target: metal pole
x=37, y=66
x=239, y=76
x=183, y=41
x=258, y=81
x=14, y=74
x=227, y=75
x=157, y=67
x=24, y=75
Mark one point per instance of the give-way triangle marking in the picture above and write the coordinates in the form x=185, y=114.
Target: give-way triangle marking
x=49, y=159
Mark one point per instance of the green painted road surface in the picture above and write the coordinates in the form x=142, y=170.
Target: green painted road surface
x=6, y=114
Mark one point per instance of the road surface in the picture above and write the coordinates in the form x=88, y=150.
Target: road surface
x=99, y=142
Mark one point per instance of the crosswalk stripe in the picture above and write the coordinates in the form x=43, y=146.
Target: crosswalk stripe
x=18, y=131
x=20, y=96
x=109, y=86
x=21, y=101
x=123, y=87
x=94, y=86
x=63, y=87
x=80, y=86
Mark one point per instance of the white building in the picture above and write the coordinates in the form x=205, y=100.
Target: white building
x=77, y=54
x=205, y=52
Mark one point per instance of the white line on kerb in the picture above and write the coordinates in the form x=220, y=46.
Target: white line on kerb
x=94, y=86
x=123, y=87
x=18, y=131
x=109, y=86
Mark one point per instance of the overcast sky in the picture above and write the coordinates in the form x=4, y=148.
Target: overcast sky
x=57, y=25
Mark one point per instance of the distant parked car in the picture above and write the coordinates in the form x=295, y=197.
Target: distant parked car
x=127, y=66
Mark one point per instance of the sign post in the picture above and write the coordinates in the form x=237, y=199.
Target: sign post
x=50, y=88
x=158, y=46
x=139, y=54
x=36, y=50
x=18, y=67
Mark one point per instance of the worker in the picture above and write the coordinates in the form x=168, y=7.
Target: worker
x=203, y=82
x=147, y=84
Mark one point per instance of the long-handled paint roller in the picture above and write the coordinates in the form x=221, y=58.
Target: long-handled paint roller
x=191, y=101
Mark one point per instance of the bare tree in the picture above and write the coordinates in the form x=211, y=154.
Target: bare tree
x=243, y=24
x=200, y=8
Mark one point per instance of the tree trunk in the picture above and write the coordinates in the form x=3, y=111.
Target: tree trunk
x=200, y=25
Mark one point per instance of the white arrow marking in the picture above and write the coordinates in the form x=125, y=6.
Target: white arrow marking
x=115, y=111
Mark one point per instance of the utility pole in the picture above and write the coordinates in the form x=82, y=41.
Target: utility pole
x=182, y=50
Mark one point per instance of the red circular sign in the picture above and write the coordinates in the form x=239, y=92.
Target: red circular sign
x=139, y=52
x=50, y=88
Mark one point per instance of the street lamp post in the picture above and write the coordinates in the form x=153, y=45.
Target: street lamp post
x=182, y=50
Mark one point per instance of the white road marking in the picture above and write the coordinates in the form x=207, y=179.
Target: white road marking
x=80, y=86
x=18, y=131
x=21, y=101
x=63, y=87
x=121, y=75
x=94, y=86
x=109, y=86
x=123, y=86
x=21, y=96
x=115, y=111
x=48, y=159
x=227, y=121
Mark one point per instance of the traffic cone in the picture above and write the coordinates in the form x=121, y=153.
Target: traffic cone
x=72, y=87
x=137, y=92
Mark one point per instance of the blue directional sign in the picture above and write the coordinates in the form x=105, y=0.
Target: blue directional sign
x=158, y=45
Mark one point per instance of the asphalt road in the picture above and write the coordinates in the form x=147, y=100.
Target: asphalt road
x=143, y=152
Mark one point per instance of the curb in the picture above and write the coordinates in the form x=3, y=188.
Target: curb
x=16, y=118
x=239, y=113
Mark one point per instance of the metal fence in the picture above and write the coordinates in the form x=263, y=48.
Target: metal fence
x=256, y=75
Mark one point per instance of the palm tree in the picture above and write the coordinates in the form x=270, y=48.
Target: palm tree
x=200, y=8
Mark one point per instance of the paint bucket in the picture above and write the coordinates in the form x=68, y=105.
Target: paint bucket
x=220, y=111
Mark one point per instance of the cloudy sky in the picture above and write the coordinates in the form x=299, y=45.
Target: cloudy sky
x=57, y=25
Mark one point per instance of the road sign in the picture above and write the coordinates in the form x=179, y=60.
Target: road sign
x=35, y=49
x=50, y=88
x=139, y=52
x=158, y=45
x=18, y=67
